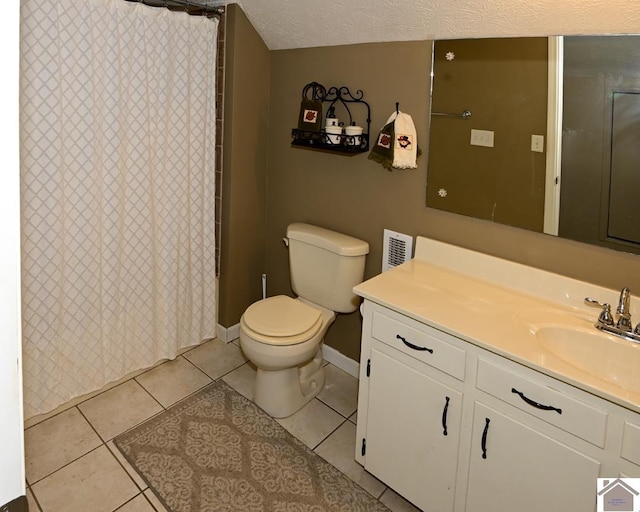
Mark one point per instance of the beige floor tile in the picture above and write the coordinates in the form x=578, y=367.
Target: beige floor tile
x=137, y=504
x=241, y=379
x=142, y=485
x=354, y=418
x=51, y=444
x=339, y=449
x=340, y=390
x=93, y=482
x=119, y=409
x=29, y=422
x=312, y=423
x=33, y=506
x=216, y=357
x=172, y=381
x=101, y=480
x=396, y=503
x=155, y=501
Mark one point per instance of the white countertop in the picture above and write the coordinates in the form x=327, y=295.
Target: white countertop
x=494, y=316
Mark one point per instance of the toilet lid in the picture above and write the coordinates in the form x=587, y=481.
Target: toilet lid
x=280, y=316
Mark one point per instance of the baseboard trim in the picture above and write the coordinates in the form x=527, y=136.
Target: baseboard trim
x=228, y=334
x=343, y=362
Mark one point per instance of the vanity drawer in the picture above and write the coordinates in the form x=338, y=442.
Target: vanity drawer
x=421, y=342
x=535, y=397
x=630, y=448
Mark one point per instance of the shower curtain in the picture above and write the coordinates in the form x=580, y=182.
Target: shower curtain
x=117, y=151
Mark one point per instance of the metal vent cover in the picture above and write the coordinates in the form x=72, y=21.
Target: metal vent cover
x=397, y=248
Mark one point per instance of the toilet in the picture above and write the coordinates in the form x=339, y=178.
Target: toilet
x=283, y=336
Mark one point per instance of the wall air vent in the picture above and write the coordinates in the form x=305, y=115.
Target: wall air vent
x=397, y=248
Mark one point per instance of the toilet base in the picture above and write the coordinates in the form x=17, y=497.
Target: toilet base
x=280, y=393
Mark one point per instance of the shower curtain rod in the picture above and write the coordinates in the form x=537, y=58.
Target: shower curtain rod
x=193, y=8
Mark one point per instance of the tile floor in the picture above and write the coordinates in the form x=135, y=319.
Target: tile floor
x=72, y=464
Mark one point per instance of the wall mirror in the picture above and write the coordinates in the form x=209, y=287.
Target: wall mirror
x=540, y=133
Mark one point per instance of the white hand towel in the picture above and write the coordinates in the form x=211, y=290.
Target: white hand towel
x=405, y=150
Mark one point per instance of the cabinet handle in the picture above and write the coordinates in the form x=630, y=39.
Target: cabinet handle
x=536, y=404
x=444, y=416
x=411, y=345
x=484, y=438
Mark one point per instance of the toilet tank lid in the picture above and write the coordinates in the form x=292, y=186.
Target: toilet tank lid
x=333, y=241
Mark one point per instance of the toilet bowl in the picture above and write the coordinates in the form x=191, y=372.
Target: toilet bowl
x=283, y=338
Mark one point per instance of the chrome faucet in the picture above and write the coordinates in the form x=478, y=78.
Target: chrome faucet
x=624, y=316
x=622, y=327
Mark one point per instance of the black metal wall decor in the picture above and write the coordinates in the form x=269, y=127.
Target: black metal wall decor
x=332, y=134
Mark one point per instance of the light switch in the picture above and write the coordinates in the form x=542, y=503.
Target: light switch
x=482, y=138
x=537, y=143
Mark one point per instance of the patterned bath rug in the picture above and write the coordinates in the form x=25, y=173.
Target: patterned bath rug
x=218, y=451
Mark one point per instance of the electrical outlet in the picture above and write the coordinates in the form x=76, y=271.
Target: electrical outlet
x=537, y=143
x=482, y=138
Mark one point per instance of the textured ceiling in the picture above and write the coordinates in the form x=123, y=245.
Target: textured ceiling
x=285, y=24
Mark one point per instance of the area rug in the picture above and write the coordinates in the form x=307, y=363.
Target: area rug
x=218, y=451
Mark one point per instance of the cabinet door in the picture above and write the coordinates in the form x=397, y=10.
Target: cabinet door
x=413, y=432
x=514, y=467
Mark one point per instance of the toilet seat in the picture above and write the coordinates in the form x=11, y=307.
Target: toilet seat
x=281, y=320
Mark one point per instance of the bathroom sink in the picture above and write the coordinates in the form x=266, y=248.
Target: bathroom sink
x=606, y=357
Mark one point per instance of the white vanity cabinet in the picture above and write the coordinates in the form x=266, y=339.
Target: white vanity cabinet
x=534, y=442
x=515, y=439
x=410, y=436
x=415, y=421
x=513, y=466
x=537, y=403
x=630, y=446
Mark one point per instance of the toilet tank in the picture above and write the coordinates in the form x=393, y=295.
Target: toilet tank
x=325, y=266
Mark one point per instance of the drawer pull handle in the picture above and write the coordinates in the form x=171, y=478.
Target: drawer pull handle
x=484, y=438
x=536, y=404
x=444, y=416
x=411, y=345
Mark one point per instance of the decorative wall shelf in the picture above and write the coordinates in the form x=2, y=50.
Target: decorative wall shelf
x=335, y=99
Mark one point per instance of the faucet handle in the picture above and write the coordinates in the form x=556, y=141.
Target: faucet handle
x=605, y=316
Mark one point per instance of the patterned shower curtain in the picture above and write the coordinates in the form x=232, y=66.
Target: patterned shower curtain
x=117, y=149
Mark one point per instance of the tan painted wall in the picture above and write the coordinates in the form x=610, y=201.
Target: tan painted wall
x=247, y=68
x=358, y=197
x=350, y=194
